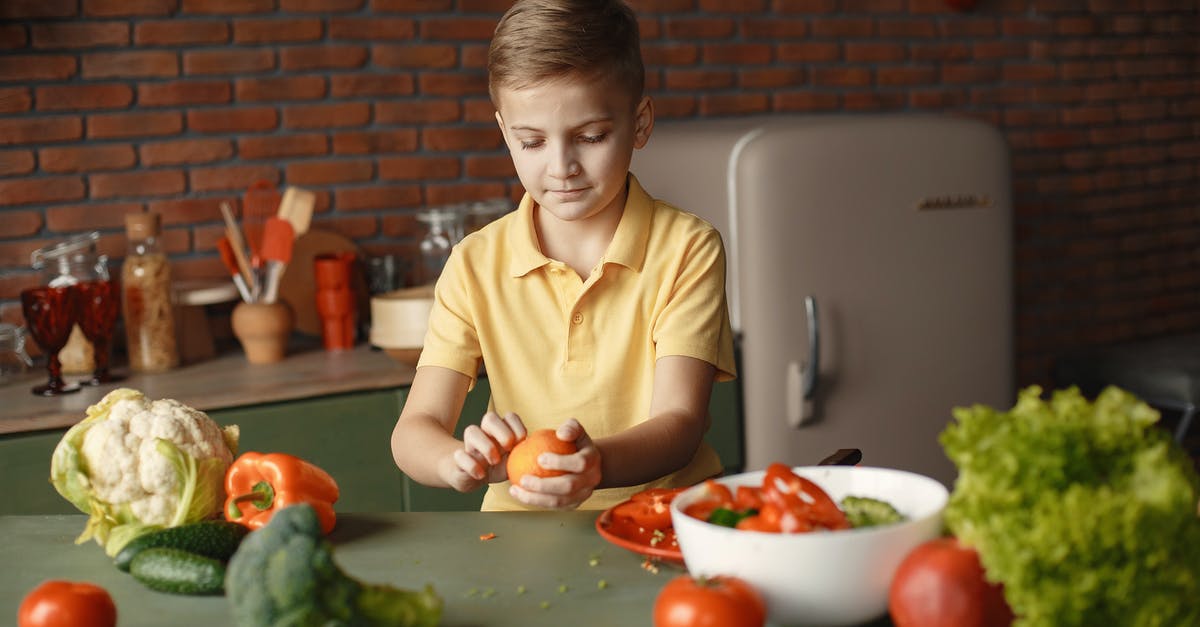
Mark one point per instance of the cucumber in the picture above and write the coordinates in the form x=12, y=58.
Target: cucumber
x=217, y=539
x=176, y=571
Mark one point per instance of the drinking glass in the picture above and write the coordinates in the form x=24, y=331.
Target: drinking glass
x=50, y=313
x=98, y=304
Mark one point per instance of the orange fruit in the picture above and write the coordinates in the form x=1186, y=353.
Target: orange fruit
x=522, y=459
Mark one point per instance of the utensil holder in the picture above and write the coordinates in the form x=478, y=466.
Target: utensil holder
x=263, y=329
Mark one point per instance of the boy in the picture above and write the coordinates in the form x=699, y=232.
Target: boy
x=597, y=310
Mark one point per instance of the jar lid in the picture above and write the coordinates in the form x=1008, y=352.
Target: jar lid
x=79, y=243
x=142, y=225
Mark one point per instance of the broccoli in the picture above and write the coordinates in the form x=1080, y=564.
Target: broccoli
x=284, y=574
x=863, y=511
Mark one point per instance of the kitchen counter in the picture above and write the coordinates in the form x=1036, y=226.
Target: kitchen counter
x=549, y=553
x=224, y=382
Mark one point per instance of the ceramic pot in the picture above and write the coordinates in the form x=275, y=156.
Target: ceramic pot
x=263, y=329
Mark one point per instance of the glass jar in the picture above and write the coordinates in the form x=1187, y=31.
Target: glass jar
x=14, y=361
x=67, y=263
x=146, y=297
x=443, y=229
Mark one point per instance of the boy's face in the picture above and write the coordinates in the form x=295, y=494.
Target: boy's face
x=571, y=141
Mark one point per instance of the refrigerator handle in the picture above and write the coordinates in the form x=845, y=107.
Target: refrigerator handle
x=802, y=379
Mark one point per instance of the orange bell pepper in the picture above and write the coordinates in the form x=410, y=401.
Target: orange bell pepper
x=257, y=485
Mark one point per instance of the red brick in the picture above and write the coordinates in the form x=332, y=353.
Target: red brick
x=490, y=166
x=259, y=31
x=978, y=28
x=459, y=192
x=275, y=146
x=874, y=52
x=410, y=6
x=486, y=6
x=127, y=8
x=354, y=85
x=767, y=78
x=110, y=125
x=700, y=27
x=87, y=158
x=36, y=67
x=674, y=106
x=479, y=110
x=452, y=83
x=807, y=52
x=737, y=54
x=732, y=6
x=27, y=9
x=474, y=56
x=417, y=112
x=921, y=99
x=774, y=28
x=280, y=89
x=1027, y=27
x=450, y=139
x=15, y=162
x=185, y=211
x=329, y=172
x=137, y=184
x=418, y=56
x=734, y=104
x=1016, y=50
x=418, y=168
x=176, y=93
x=234, y=177
x=227, y=7
x=804, y=101
x=233, y=120
x=670, y=54
x=374, y=142
x=184, y=151
x=80, y=34
x=21, y=223
x=372, y=28
x=327, y=115
x=401, y=226
x=329, y=57
x=458, y=29
x=229, y=61
x=698, y=79
x=68, y=218
x=42, y=189
x=969, y=73
x=377, y=197
x=180, y=32
x=135, y=64
x=14, y=99
x=873, y=6
x=83, y=97
x=905, y=75
x=916, y=28
x=321, y=6
x=40, y=130
x=12, y=36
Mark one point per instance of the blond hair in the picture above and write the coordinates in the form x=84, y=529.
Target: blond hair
x=541, y=40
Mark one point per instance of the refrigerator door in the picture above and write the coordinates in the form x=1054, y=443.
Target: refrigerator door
x=900, y=228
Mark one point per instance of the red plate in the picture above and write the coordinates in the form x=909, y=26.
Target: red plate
x=628, y=536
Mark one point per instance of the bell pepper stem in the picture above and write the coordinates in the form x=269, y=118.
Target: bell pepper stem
x=261, y=496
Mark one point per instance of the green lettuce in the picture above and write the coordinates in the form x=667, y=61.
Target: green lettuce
x=1085, y=511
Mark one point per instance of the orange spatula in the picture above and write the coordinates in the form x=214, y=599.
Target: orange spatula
x=230, y=261
x=277, y=253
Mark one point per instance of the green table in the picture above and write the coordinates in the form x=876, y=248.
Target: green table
x=557, y=557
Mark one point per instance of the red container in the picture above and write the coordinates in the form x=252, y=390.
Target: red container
x=331, y=271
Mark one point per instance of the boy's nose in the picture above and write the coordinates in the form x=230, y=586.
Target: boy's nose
x=564, y=164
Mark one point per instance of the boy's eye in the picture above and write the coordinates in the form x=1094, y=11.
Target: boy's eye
x=527, y=144
x=594, y=139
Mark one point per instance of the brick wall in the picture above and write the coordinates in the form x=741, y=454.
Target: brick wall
x=112, y=106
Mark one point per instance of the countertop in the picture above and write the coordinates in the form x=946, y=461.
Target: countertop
x=225, y=381
x=557, y=557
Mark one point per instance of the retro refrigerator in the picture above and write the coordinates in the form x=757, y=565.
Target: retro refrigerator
x=870, y=274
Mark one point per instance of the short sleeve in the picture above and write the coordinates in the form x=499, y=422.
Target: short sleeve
x=451, y=341
x=694, y=321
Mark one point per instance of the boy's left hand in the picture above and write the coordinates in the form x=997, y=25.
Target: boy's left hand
x=565, y=491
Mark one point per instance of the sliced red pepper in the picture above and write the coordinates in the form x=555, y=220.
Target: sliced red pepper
x=803, y=504
x=257, y=485
x=748, y=497
x=649, y=509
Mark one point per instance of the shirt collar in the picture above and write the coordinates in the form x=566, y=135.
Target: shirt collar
x=628, y=246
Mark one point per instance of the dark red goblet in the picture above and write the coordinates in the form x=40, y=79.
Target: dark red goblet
x=98, y=304
x=50, y=314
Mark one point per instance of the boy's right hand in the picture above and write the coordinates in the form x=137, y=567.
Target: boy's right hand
x=485, y=449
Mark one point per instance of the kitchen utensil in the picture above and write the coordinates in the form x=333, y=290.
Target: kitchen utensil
x=845, y=575
x=98, y=302
x=298, y=288
x=263, y=330
x=231, y=264
x=278, y=239
x=260, y=203
x=50, y=314
x=297, y=207
x=237, y=243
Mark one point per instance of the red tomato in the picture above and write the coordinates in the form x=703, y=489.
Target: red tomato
x=709, y=602
x=67, y=604
x=941, y=584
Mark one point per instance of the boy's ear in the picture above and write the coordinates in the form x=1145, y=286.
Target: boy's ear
x=644, y=120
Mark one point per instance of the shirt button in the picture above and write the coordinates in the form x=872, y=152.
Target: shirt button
x=577, y=318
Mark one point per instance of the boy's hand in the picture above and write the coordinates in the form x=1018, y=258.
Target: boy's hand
x=485, y=449
x=569, y=490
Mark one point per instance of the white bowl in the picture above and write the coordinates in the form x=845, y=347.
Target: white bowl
x=823, y=578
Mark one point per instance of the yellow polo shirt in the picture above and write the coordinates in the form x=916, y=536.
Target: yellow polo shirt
x=558, y=346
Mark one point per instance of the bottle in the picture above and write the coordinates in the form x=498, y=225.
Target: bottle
x=146, y=297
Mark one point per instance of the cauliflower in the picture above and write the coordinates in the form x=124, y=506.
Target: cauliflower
x=136, y=465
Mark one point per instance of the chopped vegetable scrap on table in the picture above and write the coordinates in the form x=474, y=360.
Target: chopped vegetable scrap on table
x=487, y=536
